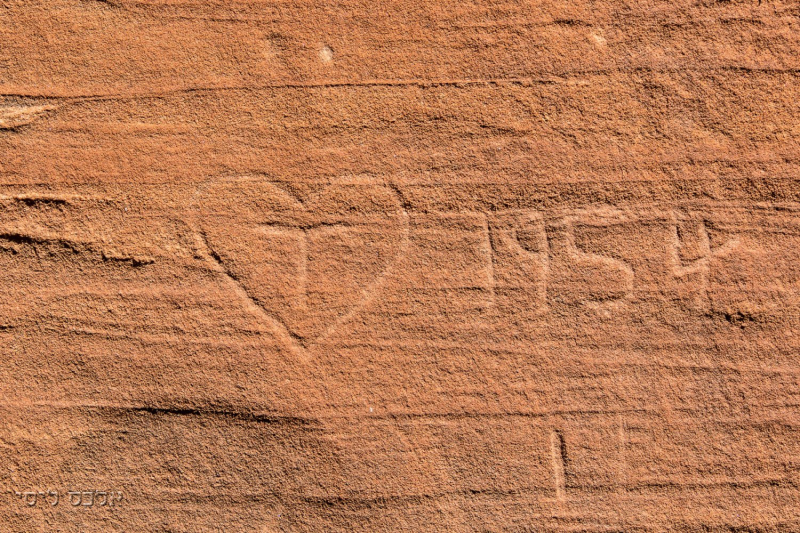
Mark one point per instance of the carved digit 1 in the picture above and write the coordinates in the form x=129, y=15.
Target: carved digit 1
x=300, y=235
x=558, y=453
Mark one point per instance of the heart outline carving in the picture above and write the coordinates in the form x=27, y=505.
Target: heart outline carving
x=296, y=216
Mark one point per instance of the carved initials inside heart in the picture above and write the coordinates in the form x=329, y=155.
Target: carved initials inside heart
x=309, y=265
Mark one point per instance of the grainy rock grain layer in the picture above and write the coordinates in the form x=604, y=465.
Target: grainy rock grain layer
x=399, y=265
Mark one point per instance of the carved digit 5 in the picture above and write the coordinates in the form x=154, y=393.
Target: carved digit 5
x=581, y=277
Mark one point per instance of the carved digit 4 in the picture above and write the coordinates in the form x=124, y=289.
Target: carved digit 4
x=700, y=266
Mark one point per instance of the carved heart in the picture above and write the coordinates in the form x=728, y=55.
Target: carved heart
x=308, y=264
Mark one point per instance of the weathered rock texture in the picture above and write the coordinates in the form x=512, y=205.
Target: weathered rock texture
x=399, y=265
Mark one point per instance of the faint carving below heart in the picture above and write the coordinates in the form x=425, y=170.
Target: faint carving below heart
x=306, y=266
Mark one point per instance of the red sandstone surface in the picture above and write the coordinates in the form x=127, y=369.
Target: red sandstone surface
x=511, y=265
